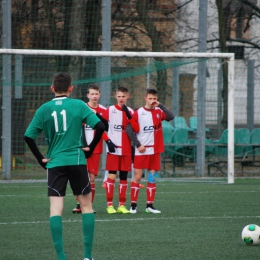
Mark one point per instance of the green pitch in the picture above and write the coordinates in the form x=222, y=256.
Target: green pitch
x=198, y=221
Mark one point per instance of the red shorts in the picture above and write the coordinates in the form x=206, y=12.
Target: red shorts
x=149, y=162
x=119, y=162
x=93, y=163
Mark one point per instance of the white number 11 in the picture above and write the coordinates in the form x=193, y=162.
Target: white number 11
x=63, y=113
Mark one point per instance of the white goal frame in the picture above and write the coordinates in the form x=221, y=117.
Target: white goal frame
x=6, y=158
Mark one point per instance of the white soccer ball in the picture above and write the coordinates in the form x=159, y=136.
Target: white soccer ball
x=251, y=234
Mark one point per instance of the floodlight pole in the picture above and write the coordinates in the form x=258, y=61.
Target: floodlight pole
x=7, y=90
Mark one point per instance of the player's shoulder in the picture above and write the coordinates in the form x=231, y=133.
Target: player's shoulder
x=102, y=107
x=77, y=102
x=111, y=107
x=47, y=104
x=139, y=109
x=67, y=100
x=131, y=109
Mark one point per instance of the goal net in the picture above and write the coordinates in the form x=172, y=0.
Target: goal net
x=197, y=87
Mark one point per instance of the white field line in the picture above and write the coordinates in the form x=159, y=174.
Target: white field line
x=133, y=219
x=158, y=192
x=33, y=184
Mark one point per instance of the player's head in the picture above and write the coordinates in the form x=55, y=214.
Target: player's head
x=150, y=98
x=122, y=89
x=122, y=94
x=61, y=83
x=93, y=86
x=93, y=93
x=151, y=91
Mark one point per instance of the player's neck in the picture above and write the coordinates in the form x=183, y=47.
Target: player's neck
x=93, y=104
x=148, y=107
x=60, y=95
x=118, y=106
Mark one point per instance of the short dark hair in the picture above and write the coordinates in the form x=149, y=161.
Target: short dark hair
x=151, y=91
x=93, y=86
x=122, y=89
x=61, y=82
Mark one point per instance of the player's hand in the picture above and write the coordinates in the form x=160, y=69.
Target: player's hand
x=111, y=146
x=43, y=163
x=128, y=114
x=45, y=160
x=155, y=103
x=141, y=149
x=88, y=151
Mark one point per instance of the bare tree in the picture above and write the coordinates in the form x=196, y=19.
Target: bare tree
x=76, y=38
x=233, y=19
x=155, y=37
x=223, y=48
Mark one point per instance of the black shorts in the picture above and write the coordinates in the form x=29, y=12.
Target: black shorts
x=58, y=178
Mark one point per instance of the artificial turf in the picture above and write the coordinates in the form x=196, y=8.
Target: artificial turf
x=198, y=221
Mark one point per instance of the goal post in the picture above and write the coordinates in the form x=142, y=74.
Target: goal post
x=121, y=67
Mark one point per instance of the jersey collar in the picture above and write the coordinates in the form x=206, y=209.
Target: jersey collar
x=60, y=97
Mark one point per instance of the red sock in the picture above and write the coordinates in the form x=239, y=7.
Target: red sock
x=150, y=192
x=134, y=192
x=93, y=191
x=110, y=191
x=122, y=188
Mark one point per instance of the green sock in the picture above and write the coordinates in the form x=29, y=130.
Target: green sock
x=88, y=226
x=56, y=232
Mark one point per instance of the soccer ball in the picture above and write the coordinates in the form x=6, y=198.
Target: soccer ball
x=251, y=234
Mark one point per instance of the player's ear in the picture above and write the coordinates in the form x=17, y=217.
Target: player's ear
x=52, y=89
x=70, y=89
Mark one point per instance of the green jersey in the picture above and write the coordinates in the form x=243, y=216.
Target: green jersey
x=61, y=121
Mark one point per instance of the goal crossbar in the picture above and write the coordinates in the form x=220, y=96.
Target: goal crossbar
x=229, y=56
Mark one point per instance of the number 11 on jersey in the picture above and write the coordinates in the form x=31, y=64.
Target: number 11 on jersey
x=64, y=118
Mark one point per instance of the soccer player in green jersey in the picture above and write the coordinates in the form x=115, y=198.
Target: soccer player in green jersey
x=61, y=120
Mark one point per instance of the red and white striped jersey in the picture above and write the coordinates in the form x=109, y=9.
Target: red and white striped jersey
x=89, y=132
x=117, y=122
x=150, y=134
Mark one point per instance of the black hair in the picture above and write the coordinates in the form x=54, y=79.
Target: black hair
x=122, y=89
x=93, y=86
x=151, y=91
x=61, y=82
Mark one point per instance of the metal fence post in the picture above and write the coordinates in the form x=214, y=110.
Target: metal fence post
x=7, y=91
